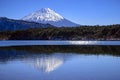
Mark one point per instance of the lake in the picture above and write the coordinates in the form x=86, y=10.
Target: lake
x=63, y=62
x=50, y=42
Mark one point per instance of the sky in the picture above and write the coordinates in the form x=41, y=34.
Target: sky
x=84, y=12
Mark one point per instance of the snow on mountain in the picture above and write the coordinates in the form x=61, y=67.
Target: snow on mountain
x=46, y=15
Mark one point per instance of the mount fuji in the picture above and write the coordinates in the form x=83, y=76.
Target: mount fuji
x=46, y=15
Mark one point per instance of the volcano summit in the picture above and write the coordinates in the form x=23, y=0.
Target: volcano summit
x=46, y=15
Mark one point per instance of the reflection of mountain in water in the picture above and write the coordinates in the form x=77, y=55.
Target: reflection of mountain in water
x=47, y=63
x=45, y=58
x=42, y=61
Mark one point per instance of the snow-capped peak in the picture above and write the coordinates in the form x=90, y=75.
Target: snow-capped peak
x=44, y=14
x=47, y=15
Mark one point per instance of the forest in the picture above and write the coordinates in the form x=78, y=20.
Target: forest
x=83, y=32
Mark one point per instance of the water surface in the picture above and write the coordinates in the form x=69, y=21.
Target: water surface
x=60, y=63
x=50, y=42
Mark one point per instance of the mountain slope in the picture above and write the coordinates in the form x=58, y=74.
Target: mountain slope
x=46, y=15
x=11, y=24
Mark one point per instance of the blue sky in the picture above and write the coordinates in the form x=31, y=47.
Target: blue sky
x=85, y=12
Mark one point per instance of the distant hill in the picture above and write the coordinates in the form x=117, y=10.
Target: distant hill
x=12, y=25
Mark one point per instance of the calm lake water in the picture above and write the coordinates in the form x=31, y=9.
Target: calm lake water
x=49, y=42
x=60, y=63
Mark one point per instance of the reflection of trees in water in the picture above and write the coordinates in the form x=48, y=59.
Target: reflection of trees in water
x=72, y=49
x=9, y=53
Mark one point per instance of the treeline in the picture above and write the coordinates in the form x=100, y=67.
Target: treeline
x=109, y=32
